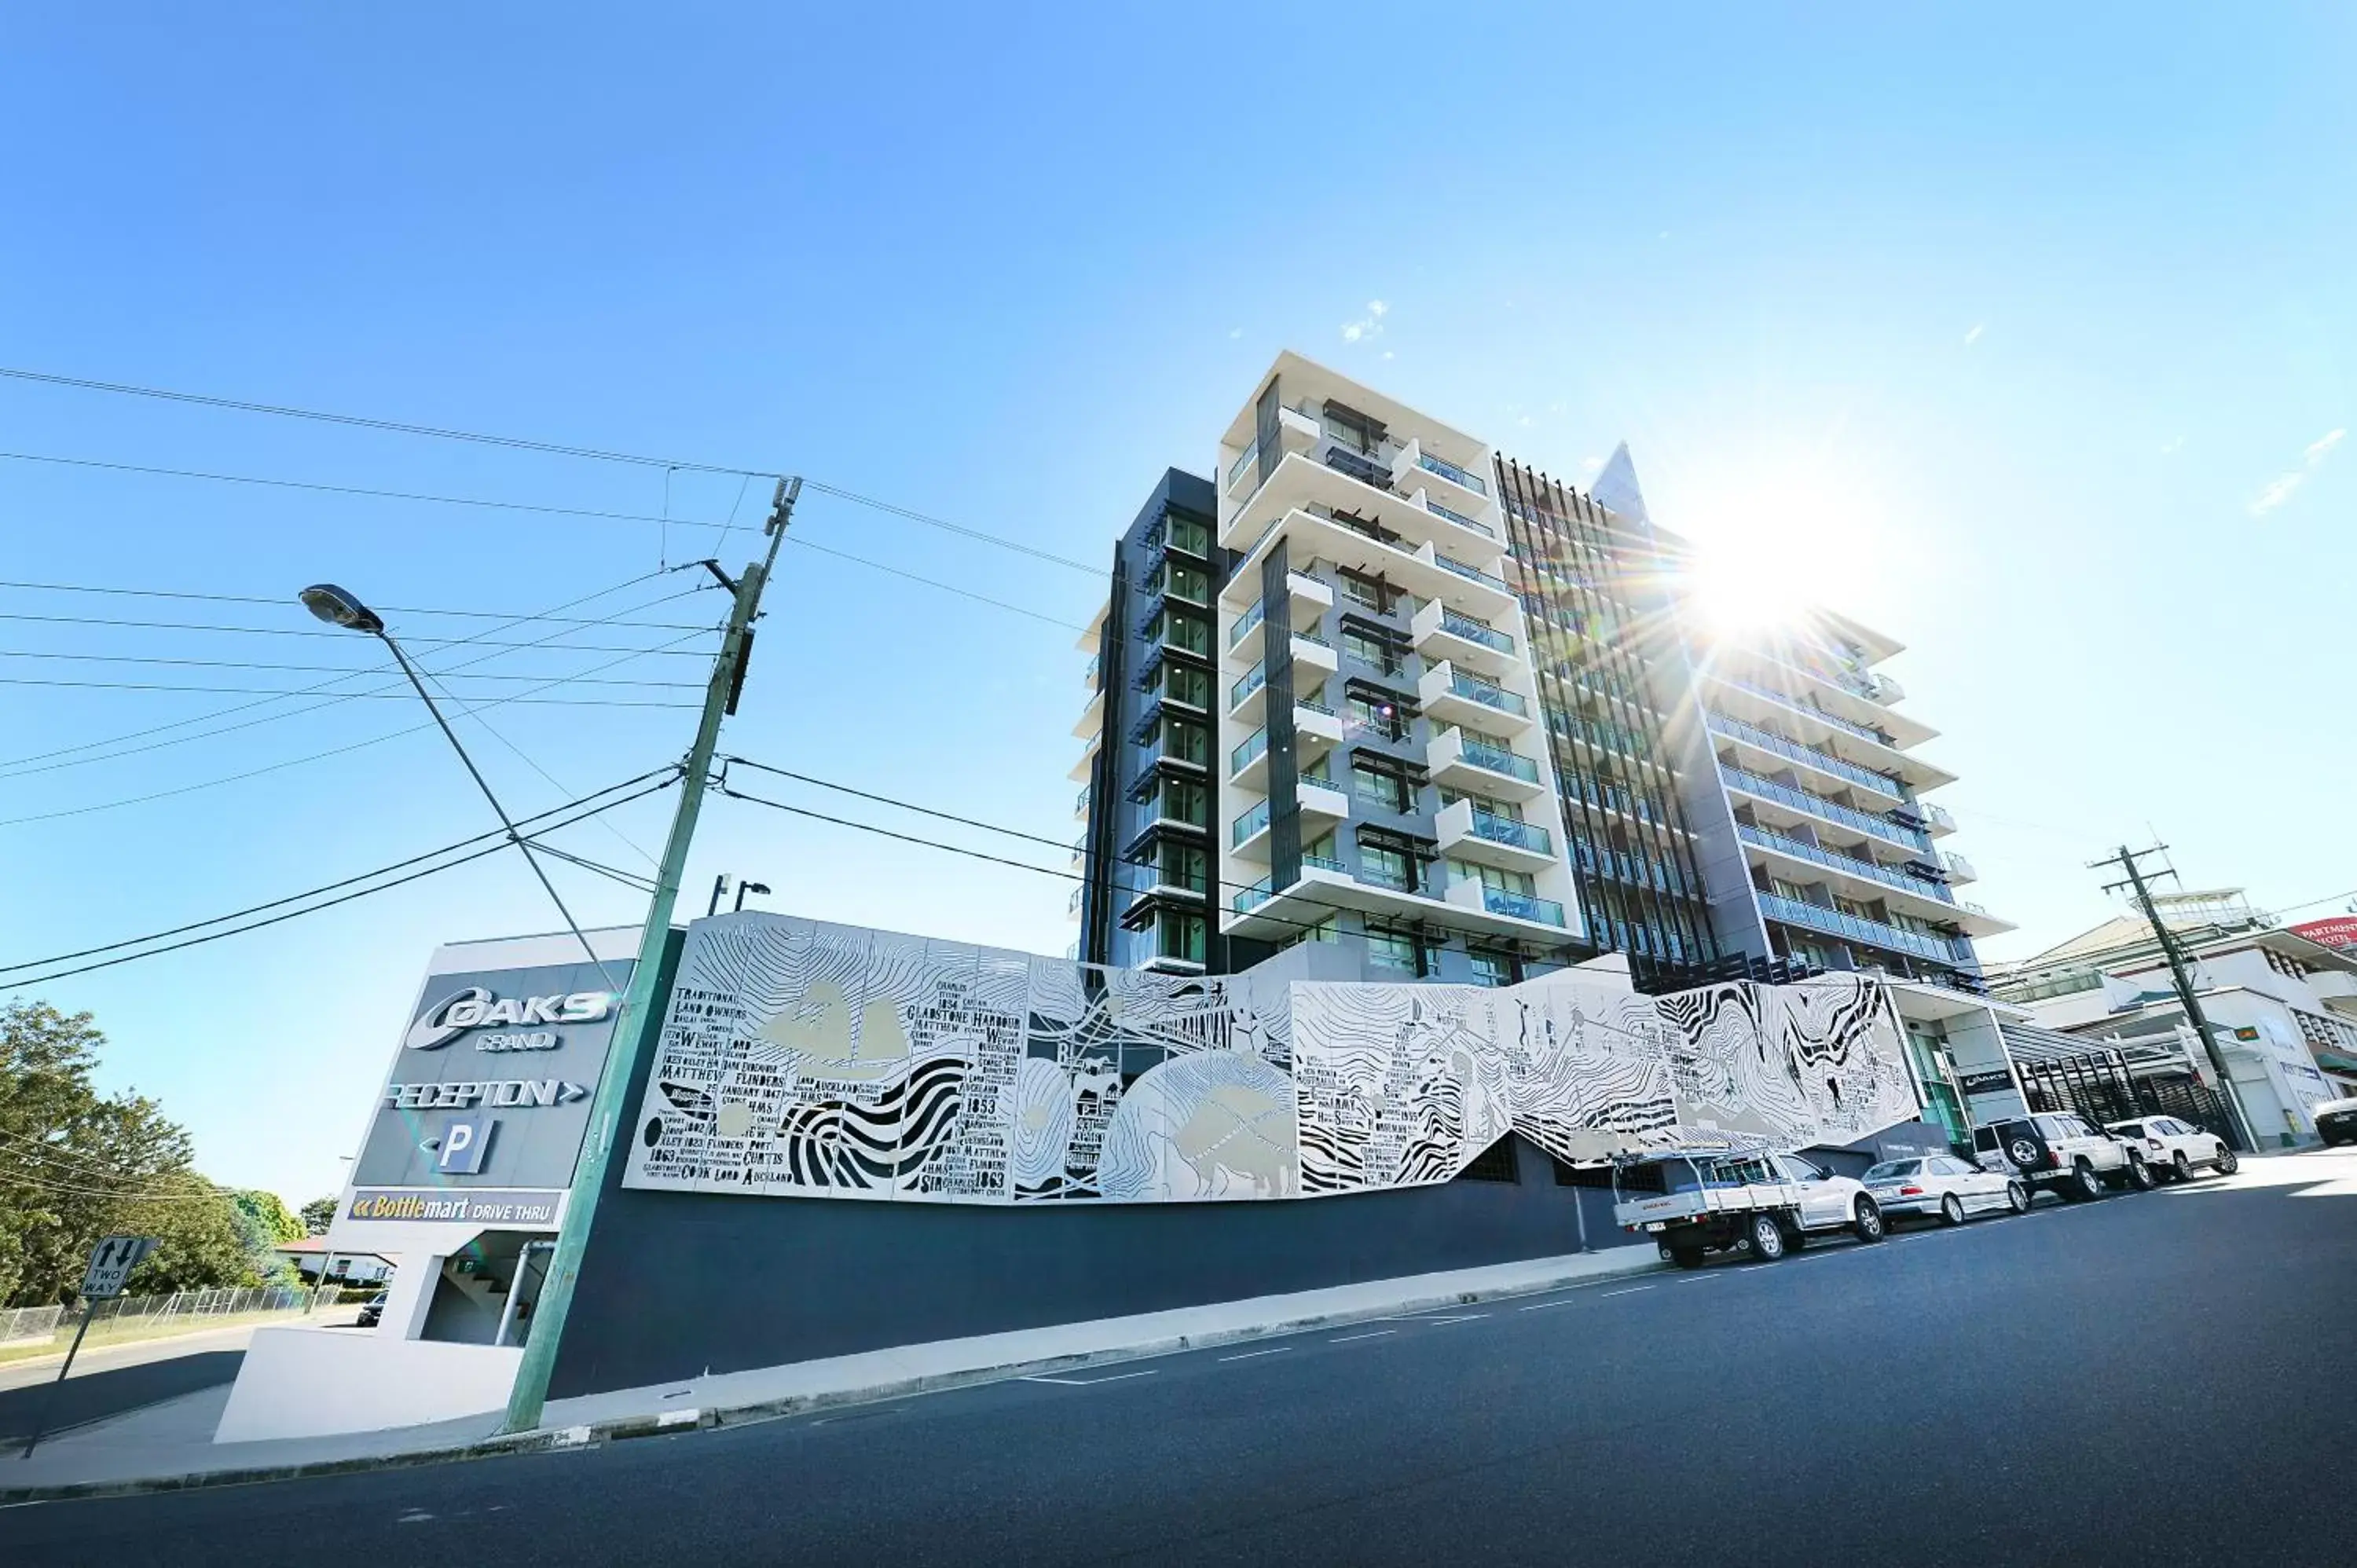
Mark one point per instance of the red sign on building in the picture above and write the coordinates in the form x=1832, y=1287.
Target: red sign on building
x=2336, y=932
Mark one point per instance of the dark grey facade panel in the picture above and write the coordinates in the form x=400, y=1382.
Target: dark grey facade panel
x=675, y=1284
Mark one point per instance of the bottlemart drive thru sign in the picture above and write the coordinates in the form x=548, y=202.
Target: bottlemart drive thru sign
x=481, y=1116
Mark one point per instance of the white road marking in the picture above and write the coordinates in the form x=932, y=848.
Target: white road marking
x=1374, y=1334
x=1542, y=1305
x=1086, y=1383
x=1632, y=1290
x=414, y=1516
x=1437, y=1318
x=1248, y=1355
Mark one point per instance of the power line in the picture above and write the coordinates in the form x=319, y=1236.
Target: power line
x=16, y=767
x=319, y=669
x=318, y=631
x=666, y=772
x=275, y=767
x=451, y=864
x=363, y=422
x=518, y=442
x=723, y=528
x=296, y=692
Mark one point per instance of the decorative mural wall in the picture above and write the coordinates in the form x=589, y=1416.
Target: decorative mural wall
x=807, y=1060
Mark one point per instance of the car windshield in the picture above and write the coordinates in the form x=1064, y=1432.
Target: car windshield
x=2132, y=1129
x=1891, y=1169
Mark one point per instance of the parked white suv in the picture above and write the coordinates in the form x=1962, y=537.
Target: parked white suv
x=1736, y=1200
x=2062, y=1152
x=2177, y=1149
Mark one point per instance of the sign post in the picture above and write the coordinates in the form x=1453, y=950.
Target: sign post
x=111, y=1263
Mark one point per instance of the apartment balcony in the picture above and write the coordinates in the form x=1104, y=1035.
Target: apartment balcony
x=1450, y=695
x=1861, y=880
x=1474, y=766
x=1776, y=746
x=1095, y=629
x=1080, y=803
x=1937, y=816
x=1073, y=904
x=1827, y=691
x=1784, y=798
x=1316, y=728
x=1873, y=933
x=1466, y=832
x=1422, y=566
x=1415, y=468
x=1520, y=907
x=1324, y=886
x=1321, y=805
x=1087, y=764
x=1864, y=745
x=1316, y=731
x=1298, y=432
x=1959, y=869
x=1091, y=718
x=1882, y=688
x=1300, y=484
x=1441, y=634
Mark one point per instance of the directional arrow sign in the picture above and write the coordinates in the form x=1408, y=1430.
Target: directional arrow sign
x=110, y=1261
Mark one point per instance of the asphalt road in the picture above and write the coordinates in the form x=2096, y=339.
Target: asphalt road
x=2146, y=1379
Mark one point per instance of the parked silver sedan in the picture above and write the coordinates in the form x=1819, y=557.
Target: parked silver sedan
x=1943, y=1186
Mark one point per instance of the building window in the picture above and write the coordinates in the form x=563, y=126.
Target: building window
x=1186, y=865
x=1492, y=968
x=1375, y=652
x=1183, y=801
x=1186, y=684
x=1187, y=741
x=1190, y=583
x=1384, y=867
x=1371, y=592
x=1181, y=936
x=1381, y=718
x=1380, y=786
x=1186, y=533
x=1392, y=951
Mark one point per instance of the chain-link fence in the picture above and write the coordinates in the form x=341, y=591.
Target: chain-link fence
x=18, y=1322
x=138, y=1316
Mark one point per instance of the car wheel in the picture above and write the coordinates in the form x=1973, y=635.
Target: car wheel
x=1952, y=1212
x=2180, y=1167
x=1767, y=1239
x=2139, y=1176
x=2228, y=1161
x=2017, y=1197
x=2081, y=1185
x=1866, y=1223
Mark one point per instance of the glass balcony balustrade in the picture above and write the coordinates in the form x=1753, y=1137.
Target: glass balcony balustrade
x=1482, y=755
x=1487, y=694
x=1474, y=631
x=1830, y=810
x=1248, y=824
x=1521, y=905
x=1246, y=624
x=1874, y=933
x=1470, y=574
x=1242, y=756
x=1458, y=518
x=1505, y=830
x=1451, y=472
x=1252, y=680
x=1833, y=860
x=1809, y=756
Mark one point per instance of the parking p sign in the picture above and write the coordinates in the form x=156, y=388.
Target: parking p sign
x=110, y=1261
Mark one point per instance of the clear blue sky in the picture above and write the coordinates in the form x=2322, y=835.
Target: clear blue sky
x=2035, y=331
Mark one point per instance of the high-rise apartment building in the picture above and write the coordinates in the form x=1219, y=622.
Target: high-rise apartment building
x=1465, y=719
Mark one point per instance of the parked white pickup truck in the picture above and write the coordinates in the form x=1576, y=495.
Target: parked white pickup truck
x=1765, y=1204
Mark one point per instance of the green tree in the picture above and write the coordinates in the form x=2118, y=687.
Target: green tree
x=269, y=1211
x=76, y=1165
x=319, y=1214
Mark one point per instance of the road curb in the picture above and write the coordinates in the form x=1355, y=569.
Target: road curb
x=1604, y=1266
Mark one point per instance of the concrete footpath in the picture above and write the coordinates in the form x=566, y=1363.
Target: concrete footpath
x=167, y=1446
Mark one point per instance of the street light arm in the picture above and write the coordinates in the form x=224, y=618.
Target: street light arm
x=475, y=773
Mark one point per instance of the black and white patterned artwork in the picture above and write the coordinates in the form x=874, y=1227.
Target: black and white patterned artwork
x=803, y=1058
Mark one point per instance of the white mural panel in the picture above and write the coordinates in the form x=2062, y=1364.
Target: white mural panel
x=810, y=1059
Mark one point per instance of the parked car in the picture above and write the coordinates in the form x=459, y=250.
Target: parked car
x=2176, y=1149
x=1765, y=1204
x=2062, y=1152
x=1943, y=1186
x=372, y=1310
x=2336, y=1120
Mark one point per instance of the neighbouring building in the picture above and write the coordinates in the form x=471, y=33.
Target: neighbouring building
x=1465, y=723
x=2282, y=1005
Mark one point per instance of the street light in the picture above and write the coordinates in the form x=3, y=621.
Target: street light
x=340, y=606
x=745, y=888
